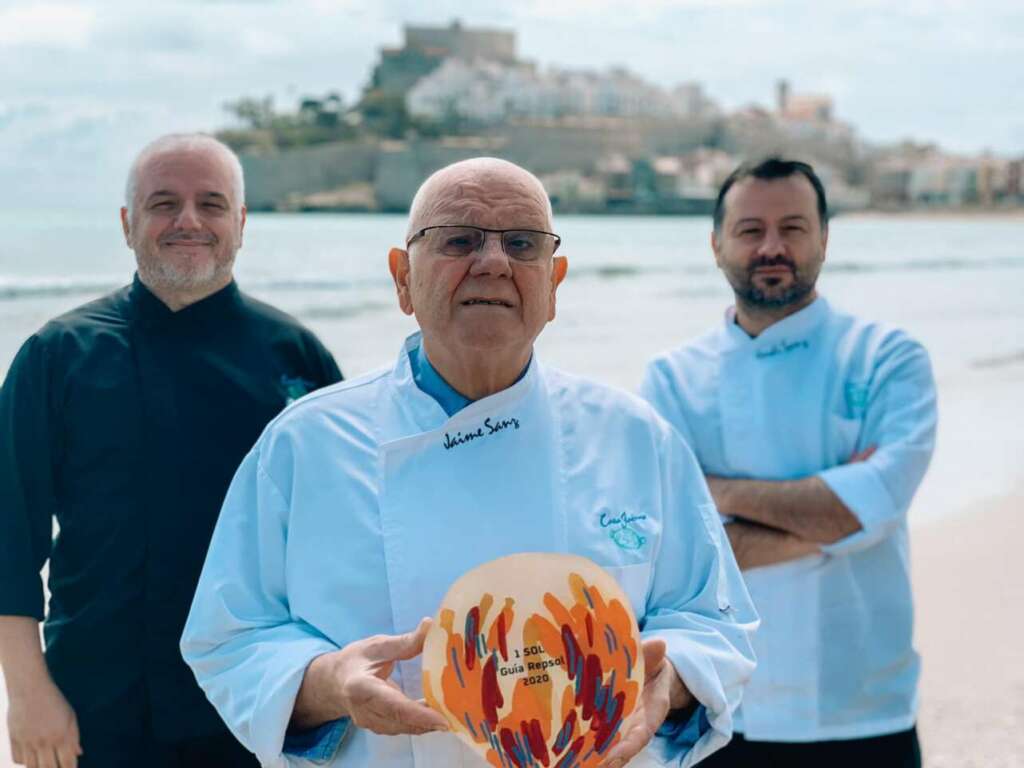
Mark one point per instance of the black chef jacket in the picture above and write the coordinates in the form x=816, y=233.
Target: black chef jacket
x=125, y=422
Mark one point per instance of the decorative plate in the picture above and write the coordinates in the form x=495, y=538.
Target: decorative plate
x=535, y=659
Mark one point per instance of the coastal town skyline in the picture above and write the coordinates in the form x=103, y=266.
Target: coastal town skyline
x=86, y=84
x=601, y=142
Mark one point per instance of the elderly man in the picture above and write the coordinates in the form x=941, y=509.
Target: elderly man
x=815, y=428
x=360, y=505
x=124, y=420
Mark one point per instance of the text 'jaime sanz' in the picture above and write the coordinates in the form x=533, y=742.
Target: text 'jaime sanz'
x=489, y=427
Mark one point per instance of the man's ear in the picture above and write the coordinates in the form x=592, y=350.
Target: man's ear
x=716, y=246
x=398, y=263
x=559, y=268
x=241, y=226
x=125, y=226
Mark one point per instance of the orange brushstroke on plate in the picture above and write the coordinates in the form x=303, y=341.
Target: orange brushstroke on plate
x=575, y=671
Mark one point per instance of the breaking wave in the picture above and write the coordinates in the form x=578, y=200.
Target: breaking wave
x=19, y=288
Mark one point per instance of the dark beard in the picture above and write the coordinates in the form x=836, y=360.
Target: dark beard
x=755, y=297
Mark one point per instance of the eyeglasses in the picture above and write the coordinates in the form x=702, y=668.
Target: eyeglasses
x=459, y=241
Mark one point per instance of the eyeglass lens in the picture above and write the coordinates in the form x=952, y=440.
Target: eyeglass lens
x=521, y=245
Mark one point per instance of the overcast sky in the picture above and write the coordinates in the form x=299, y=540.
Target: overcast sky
x=84, y=84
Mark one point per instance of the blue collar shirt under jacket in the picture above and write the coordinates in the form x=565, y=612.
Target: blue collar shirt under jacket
x=835, y=658
x=359, y=507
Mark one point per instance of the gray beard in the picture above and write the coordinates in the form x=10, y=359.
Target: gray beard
x=171, y=278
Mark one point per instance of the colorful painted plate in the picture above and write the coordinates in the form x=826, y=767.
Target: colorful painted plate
x=535, y=659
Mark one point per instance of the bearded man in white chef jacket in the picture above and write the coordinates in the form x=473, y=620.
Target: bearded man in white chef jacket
x=815, y=428
x=359, y=507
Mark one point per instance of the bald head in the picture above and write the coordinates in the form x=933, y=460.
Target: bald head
x=480, y=307
x=484, y=191
x=185, y=142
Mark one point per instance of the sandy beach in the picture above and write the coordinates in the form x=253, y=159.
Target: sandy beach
x=969, y=586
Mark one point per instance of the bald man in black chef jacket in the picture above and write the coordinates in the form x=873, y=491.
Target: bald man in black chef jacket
x=124, y=420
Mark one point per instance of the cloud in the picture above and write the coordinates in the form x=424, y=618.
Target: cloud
x=48, y=24
x=163, y=31
x=631, y=12
x=77, y=155
x=262, y=42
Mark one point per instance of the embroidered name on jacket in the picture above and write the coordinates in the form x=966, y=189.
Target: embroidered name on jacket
x=488, y=428
x=781, y=348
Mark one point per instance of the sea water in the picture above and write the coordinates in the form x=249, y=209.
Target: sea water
x=636, y=286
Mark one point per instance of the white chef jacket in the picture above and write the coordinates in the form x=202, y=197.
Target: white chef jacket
x=361, y=504
x=835, y=659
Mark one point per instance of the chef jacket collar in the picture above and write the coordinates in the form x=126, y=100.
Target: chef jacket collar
x=150, y=312
x=790, y=329
x=428, y=413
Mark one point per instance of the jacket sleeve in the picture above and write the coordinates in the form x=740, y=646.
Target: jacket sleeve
x=247, y=651
x=658, y=390
x=900, y=423
x=28, y=446
x=698, y=603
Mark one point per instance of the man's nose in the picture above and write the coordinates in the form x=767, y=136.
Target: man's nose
x=772, y=244
x=491, y=258
x=188, y=217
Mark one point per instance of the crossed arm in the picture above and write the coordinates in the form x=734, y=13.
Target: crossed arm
x=757, y=545
x=780, y=520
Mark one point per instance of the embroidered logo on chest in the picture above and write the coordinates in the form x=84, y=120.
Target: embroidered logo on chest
x=295, y=387
x=856, y=398
x=623, y=529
